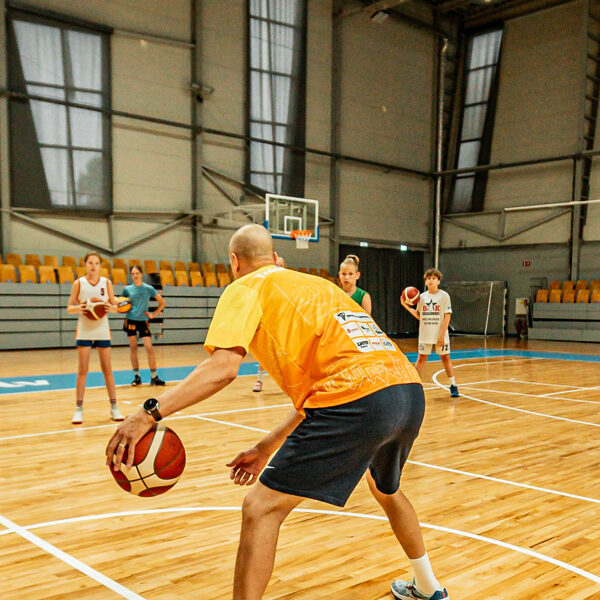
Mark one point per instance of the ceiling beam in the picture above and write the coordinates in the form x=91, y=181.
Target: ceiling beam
x=509, y=10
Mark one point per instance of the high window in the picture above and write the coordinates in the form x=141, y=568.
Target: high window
x=277, y=94
x=60, y=155
x=478, y=111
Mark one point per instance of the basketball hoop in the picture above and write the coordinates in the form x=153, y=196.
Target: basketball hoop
x=301, y=236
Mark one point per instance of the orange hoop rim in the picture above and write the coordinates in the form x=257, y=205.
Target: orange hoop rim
x=301, y=233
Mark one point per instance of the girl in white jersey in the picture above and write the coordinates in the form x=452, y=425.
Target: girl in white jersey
x=434, y=312
x=93, y=333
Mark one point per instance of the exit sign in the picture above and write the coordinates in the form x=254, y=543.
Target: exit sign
x=526, y=263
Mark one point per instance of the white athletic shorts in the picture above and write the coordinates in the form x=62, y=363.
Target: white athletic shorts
x=429, y=348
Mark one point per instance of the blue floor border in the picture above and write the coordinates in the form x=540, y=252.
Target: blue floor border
x=66, y=381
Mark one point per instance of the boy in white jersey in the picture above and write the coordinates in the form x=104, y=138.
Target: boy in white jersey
x=434, y=312
x=93, y=334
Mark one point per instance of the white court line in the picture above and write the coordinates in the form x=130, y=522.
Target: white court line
x=112, y=425
x=337, y=513
x=521, y=410
x=448, y=469
x=581, y=389
x=70, y=560
x=463, y=385
x=226, y=423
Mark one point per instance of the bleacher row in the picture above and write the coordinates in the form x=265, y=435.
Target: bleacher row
x=48, y=270
x=574, y=292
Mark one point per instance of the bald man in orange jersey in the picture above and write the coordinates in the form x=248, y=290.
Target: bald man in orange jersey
x=358, y=406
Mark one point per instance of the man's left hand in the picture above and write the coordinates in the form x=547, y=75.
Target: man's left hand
x=127, y=435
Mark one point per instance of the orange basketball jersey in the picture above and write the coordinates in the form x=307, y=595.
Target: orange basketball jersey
x=320, y=348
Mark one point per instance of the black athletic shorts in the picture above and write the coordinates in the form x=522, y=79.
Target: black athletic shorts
x=325, y=457
x=136, y=327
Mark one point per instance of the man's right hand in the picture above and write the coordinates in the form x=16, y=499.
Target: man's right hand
x=247, y=466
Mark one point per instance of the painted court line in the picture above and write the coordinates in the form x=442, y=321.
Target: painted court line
x=112, y=425
x=540, y=396
x=521, y=410
x=582, y=389
x=338, y=513
x=447, y=469
x=70, y=560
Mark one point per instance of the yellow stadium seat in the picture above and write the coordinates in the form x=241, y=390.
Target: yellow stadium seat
x=581, y=284
x=302, y=269
x=65, y=275
x=50, y=260
x=8, y=273
x=33, y=260
x=69, y=261
x=179, y=265
x=13, y=259
x=595, y=284
x=324, y=273
x=166, y=277
x=196, y=279
x=583, y=296
x=104, y=272
x=568, y=285
x=220, y=268
x=165, y=265
x=210, y=279
x=80, y=271
x=313, y=271
x=193, y=266
x=135, y=261
x=150, y=266
x=595, y=296
x=554, y=285
x=223, y=279
x=541, y=296
x=569, y=296
x=206, y=268
x=119, y=277
x=47, y=274
x=27, y=274
x=105, y=262
x=119, y=263
x=555, y=295
x=181, y=279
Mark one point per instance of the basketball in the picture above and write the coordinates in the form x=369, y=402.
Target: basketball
x=411, y=295
x=158, y=464
x=123, y=304
x=95, y=309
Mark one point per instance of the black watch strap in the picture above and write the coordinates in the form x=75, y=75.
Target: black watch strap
x=151, y=406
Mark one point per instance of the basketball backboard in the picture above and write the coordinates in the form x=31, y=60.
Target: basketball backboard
x=284, y=214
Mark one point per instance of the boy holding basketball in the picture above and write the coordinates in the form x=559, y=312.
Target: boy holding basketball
x=434, y=312
x=358, y=407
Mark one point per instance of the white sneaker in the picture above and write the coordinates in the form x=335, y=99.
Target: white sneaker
x=77, y=416
x=257, y=386
x=115, y=414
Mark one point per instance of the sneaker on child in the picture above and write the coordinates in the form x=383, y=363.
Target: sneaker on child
x=407, y=590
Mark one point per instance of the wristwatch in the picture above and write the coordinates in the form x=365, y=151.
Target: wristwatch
x=151, y=406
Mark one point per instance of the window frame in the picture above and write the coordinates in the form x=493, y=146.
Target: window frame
x=20, y=13
x=295, y=128
x=485, y=140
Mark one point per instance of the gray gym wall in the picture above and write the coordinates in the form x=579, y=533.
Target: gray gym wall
x=537, y=116
x=386, y=72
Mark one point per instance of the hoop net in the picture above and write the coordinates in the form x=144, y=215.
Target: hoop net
x=301, y=236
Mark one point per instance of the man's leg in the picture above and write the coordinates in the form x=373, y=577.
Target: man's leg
x=405, y=525
x=263, y=512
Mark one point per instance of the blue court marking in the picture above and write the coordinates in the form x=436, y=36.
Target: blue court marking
x=66, y=381
x=95, y=379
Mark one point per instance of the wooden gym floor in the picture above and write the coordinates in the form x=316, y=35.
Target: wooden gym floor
x=505, y=481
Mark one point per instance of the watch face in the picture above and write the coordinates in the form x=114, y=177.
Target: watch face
x=150, y=404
